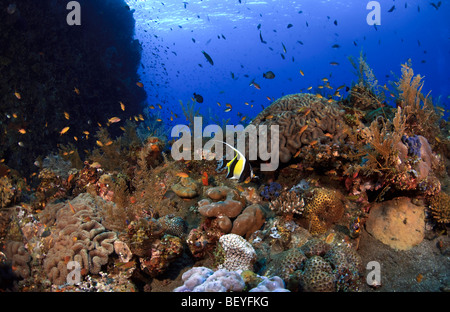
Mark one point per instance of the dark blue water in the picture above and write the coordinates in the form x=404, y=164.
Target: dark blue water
x=228, y=31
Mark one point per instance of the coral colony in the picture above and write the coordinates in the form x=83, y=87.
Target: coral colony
x=113, y=203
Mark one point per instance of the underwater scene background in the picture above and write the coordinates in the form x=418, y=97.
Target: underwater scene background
x=95, y=197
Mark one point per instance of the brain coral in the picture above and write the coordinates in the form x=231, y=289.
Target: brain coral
x=440, y=207
x=78, y=236
x=19, y=258
x=238, y=253
x=323, y=122
x=323, y=208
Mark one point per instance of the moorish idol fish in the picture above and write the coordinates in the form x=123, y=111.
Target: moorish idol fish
x=239, y=167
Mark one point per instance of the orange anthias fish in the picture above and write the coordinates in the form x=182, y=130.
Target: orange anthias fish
x=113, y=119
x=71, y=208
x=205, y=179
x=64, y=130
x=140, y=84
x=182, y=175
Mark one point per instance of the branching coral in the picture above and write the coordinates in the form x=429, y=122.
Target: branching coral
x=421, y=119
x=383, y=140
x=289, y=202
x=189, y=111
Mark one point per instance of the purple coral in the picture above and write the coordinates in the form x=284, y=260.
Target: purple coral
x=413, y=144
x=272, y=284
x=201, y=279
x=271, y=191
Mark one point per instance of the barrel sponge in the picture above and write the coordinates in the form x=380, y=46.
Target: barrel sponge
x=292, y=112
x=238, y=253
x=323, y=207
x=223, y=201
x=317, y=276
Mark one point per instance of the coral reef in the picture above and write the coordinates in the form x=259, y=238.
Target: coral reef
x=193, y=278
x=317, y=266
x=238, y=254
